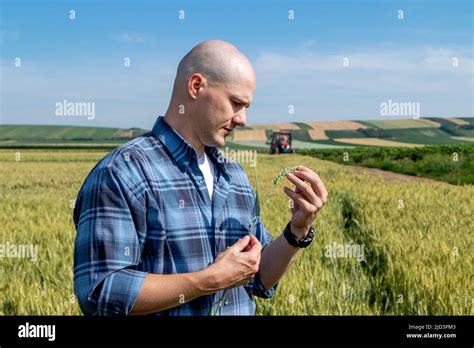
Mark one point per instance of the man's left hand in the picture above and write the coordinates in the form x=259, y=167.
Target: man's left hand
x=308, y=199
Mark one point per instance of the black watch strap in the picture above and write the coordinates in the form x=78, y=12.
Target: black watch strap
x=294, y=241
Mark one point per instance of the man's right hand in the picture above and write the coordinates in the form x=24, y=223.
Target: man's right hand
x=237, y=265
x=234, y=267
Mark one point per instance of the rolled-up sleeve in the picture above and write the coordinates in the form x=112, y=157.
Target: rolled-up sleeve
x=110, y=219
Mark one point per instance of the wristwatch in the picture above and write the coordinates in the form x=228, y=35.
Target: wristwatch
x=294, y=241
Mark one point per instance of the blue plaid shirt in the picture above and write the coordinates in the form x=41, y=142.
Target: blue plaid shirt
x=144, y=208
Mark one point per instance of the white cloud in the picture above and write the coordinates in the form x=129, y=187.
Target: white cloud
x=124, y=97
x=318, y=85
x=130, y=37
x=8, y=36
x=408, y=60
x=321, y=87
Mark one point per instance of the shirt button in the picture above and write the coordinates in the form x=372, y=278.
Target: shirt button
x=226, y=302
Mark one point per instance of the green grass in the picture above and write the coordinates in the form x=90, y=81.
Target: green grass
x=436, y=162
x=418, y=257
x=260, y=146
x=39, y=132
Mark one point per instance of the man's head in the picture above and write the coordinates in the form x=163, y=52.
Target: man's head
x=213, y=87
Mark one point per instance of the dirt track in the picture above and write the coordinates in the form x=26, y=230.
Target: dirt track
x=391, y=176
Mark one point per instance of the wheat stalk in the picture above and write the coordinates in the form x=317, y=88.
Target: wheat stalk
x=279, y=177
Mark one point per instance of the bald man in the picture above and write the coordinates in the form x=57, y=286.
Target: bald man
x=163, y=221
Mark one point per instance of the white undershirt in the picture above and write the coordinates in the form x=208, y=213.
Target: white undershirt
x=207, y=169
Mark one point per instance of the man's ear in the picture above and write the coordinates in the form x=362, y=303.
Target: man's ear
x=195, y=83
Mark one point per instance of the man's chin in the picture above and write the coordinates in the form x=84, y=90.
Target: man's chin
x=220, y=143
x=216, y=142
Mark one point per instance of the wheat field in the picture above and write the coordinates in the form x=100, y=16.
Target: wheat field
x=416, y=238
x=375, y=142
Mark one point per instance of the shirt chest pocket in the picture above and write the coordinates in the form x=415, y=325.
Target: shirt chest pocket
x=233, y=227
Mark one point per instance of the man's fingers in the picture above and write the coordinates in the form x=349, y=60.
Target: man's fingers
x=303, y=168
x=319, y=182
x=241, y=244
x=304, y=188
x=252, y=256
x=244, y=281
x=315, y=182
x=251, y=243
x=301, y=202
x=254, y=245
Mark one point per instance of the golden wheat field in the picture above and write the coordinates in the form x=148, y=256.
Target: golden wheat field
x=375, y=142
x=416, y=240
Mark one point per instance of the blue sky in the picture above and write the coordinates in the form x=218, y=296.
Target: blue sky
x=298, y=62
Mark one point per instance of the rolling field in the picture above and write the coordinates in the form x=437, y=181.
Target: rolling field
x=374, y=142
x=298, y=144
x=423, y=131
x=402, y=124
x=464, y=139
x=39, y=135
x=422, y=136
x=426, y=136
x=416, y=240
x=458, y=121
x=250, y=135
x=387, y=132
x=318, y=134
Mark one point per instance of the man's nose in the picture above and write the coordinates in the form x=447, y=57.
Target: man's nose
x=240, y=119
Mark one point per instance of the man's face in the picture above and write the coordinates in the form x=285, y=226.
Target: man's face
x=221, y=108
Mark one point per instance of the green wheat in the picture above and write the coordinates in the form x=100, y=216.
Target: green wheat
x=419, y=253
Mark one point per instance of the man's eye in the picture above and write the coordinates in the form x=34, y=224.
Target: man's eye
x=237, y=103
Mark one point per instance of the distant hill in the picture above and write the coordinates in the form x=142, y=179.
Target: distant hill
x=387, y=132
x=38, y=135
x=318, y=134
x=18, y=132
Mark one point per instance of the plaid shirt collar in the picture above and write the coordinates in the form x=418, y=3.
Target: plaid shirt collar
x=181, y=151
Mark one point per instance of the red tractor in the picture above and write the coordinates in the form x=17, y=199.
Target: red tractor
x=281, y=142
